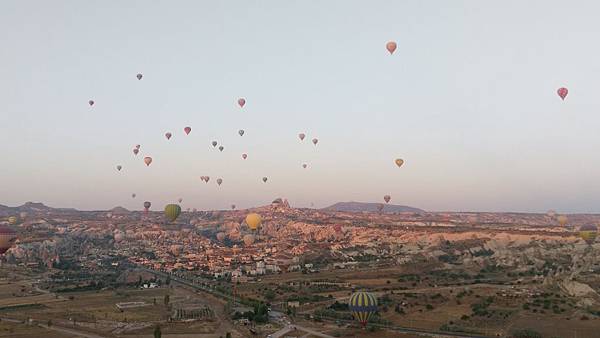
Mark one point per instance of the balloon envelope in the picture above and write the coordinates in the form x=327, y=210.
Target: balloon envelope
x=91, y=102
x=147, y=160
x=315, y=141
x=168, y=135
x=136, y=151
x=139, y=76
x=362, y=305
x=387, y=198
x=244, y=156
x=119, y=167
x=265, y=179
x=241, y=132
x=187, y=130
x=253, y=220
x=214, y=143
x=562, y=92
x=301, y=136
x=219, y=181
x=172, y=211
x=221, y=148
x=248, y=239
x=391, y=47
x=147, y=205
x=399, y=162
x=242, y=102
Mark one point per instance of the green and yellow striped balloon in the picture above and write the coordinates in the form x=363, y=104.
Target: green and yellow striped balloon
x=172, y=211
x=362, y=305
x=588, y=233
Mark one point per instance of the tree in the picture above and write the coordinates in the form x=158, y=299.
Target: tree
x=157, y=332
x=166, y=300
x=228, y=335
x=49, y=323
x=168, y=281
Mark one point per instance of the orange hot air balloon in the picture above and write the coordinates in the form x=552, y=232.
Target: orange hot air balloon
x=147, y=160
x=7, y=238
x=242, y=102
x=139, y=76
x=91, y=102
x=253, y=221
x=562, y=92
x=562, y=220
x=301, y=136
x=391, y=47
x=244, y=156
x=387, y=198
x=168, y=135
x=187, y=130
x=136, y=151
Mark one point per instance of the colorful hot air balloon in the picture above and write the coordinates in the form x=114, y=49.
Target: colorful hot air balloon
x=253, y=220
x=221, y=148
x=187, y=130
x=214, y=143
x=391, y=47
x=315, y=141
x=7, y=238
x=301, y=136
x=562, y=220
x=147, y=160
x=387, y=198
x=399, y=162
x=91, y=102
x=136, y=151
x=248, y=239
x=304, y=165
x=241, y=132
x=12, y=220
x=180, y=200
x=172, y=211
x=265, y=179
x=362, y=305
x=133, y=195
x=244, y=156
x=219, y=181
x=139, y=76
x=242, y=102
x=562, y=92
x=168, y=135
x=588, y=233
x=147, y=206
x=119, y=167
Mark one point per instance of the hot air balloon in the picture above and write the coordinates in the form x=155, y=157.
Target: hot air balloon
x=221, y=148
x=180, y=200
x=562, y=92
x=119, y=236
x=168, y=135
x=562, y=220
x=220, y=236
x=194, y=210
x=241, y=132
x=137, y=146
x=391, y=47
x=206, y=178
x=91, y=102
x=301, y=136
x=133, y=195
x=315, y=141
x=139, y=76
x=147, y=206
x=187, y=130
x=22, y=215
x=244, y=156
x=233, y=207
x=7, y=238
x=248, y=239
x=551, y=213
x=399, y=162
x=147, y=160
x=119, y=167
x=304, y=165
x=172, y=211
x=219, y=181
x=265, y=179
x=253, y=220
x=136, y=151
x=588, y=233
x=242, y=102
x=214, y=143
x=362, y=305
x=387, y=198
x=12, y=220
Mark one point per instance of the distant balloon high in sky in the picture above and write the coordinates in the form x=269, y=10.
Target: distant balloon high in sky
x=244, y=156
x=221, y=148
x=119, y=167
x=147, y=160
x=233, y=207
x=214, y=143
x=301, y=136
x=399, y=162
x=242, y=102
x=91, y=102
x=387, y=198
x=187, y=130
x=391, y=47
x=264, y=179
x=136, y=151
x=241, y=132
x=304, y=165
x=180, y=200
x=219, y=181
x=168, y=135
x=139, y=76
x=315, y=141
x=133, y=195
x=562, y=92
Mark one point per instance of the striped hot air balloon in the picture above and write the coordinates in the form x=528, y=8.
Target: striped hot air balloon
x=172, y=211
x=362, y=305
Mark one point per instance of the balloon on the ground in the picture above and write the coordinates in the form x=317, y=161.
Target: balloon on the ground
x=253, y=220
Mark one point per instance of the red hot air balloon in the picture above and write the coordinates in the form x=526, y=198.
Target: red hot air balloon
x=244, y=156
x=187, y=130
x=242, y=102
x=136, y=151
x=168, y=135
x=91, y=102
x=391, y=47
x=147, y=160
x=7, y=238
x=562, y=92
x=139, y=76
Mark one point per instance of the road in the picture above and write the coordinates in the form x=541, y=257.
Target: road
x=65, y=330
x=290, y=328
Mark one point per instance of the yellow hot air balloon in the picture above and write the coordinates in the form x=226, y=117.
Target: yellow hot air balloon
x=172, y=211
x=12, y=220
x=562, y=220
x=253, y=220
x=399, y=162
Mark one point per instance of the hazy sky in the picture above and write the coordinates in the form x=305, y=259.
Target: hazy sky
x=468, y=100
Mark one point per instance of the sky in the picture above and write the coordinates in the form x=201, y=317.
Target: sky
x=468, y=100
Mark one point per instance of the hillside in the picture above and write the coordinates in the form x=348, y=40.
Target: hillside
x=370, y=207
